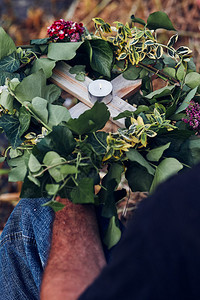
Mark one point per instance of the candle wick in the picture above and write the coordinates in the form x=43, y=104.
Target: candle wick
x=100, y=86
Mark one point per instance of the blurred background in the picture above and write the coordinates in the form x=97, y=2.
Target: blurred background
x=28, y=19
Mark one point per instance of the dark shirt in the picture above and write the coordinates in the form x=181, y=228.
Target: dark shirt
x=158, y=257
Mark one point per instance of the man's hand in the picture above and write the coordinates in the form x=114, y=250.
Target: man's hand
x=76, y=256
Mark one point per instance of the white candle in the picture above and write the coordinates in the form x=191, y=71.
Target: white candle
x=100, y=90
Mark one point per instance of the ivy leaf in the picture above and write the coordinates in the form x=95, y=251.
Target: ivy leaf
x=101, y=57
x=6, y=100
x=57, y=114
x=39, y=41
x=156, y=153
x=9, y=63
x=4, y=75
x=113, y=234
x=134, y=155
x=98, y=142
x=63, y=51
x=52, y=189
x=91, y=120
x=33, y=164
x=59, y=140
x=52, y=158
x=51, y=93
x=124, y=114
x=46, y=64
x=19, y=167
x=39, y=107
x=55, y=205
x=159, y=19
x=7, y=46
x=68, y=169
x=167, y=168
x=11, y=127
x=134, y=174
x=79, y=70
x=24, y=119
x=83, y=192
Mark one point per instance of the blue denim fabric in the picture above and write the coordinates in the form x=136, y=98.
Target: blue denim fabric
x=24, y=248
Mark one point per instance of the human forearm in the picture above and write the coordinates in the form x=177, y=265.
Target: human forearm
x=76, y=256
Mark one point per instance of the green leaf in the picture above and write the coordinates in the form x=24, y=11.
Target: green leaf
x=59, y=140
x=52, y=189
x=110, y=183
x=135, y=156
x=9, y=63
x=132, y=73
x=159, y=19
x=63, y=51
x=79, y=70
x=31, y=86
x=6, y=100
x=165, y=91
x=156, y=153
x=98, y=114
x=19, y=167
x=56, y=206
x=137, y=20
x=57, y=114
x=39, y=41
x=138, y=178
x=113, y=234
x=34, y=180
x=51, y=93
x=11, y=127
x=192, y=79
x=7, y=75
x=101, y=57
x=84, y=192
x=180, y=74
x=167, y=168
x=33, y=164
x=170, y=72
x=7, y=46
x=98, y=142
x=68, y=170
x=187, y=100
x=39, y=107
x=46, y=64
x=52, y=158
x=24, y=119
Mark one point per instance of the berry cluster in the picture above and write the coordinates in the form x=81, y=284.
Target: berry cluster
x=193, y=116
x=66, y=31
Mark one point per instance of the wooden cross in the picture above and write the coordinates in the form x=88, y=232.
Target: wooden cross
x=122, y=88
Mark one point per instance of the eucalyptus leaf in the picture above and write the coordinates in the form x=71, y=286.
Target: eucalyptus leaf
x=180, y=73
x=187, y=100
x=167, y=168
x=7, y=46
x=192, y=79
x=113, y=234
x=159, y=19
x=165, y=91
x=132, y=73
x=63, y=51
x=156, y=153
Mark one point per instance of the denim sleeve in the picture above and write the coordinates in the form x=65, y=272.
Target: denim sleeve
x=24, y=247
